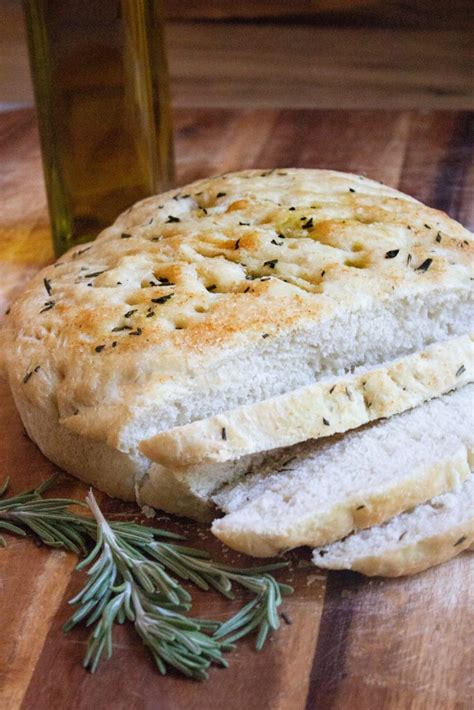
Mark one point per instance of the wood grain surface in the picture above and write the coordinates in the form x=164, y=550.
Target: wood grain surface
x=353, y=642
x=300, y=66
x=421, y=14
x=336, y=53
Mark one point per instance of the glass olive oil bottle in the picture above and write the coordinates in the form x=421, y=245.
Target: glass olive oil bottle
x=101, y=87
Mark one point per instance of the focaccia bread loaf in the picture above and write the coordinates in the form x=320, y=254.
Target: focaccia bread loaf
x=226, y=292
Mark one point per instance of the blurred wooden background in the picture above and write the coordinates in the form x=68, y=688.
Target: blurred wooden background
x=301, y=53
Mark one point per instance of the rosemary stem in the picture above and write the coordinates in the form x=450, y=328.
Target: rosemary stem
x=132, y=575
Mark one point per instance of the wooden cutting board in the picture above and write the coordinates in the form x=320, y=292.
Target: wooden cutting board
x=352, y=642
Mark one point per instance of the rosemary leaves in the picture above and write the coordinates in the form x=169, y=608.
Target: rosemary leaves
x=133, y=574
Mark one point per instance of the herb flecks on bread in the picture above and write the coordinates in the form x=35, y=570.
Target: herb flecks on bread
x=428, y=535
x=317, y=492
x=224, y=293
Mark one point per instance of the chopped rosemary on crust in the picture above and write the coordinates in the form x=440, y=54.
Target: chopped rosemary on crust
x=30, y=373
x=162, y=299
x=94, y=274
x=48, y=305
x=47, y=285
x=424, y=266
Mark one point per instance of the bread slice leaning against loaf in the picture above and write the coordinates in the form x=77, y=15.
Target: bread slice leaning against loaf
x=332, y=405
x=316, y=493
x=431, y=533
x=224, y=293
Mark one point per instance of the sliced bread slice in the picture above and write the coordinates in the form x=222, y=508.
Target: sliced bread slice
x=230, y=445
x=411, y=542
x=318, y=492
x=332, y=405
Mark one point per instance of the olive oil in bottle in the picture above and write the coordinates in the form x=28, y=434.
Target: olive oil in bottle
x=101, y=87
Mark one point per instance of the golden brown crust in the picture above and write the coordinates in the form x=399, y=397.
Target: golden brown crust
x=183, y=279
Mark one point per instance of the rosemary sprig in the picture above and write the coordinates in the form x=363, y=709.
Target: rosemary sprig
x=124, y=584
x=132, y=576
x=260, y=614
x=49, y=519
